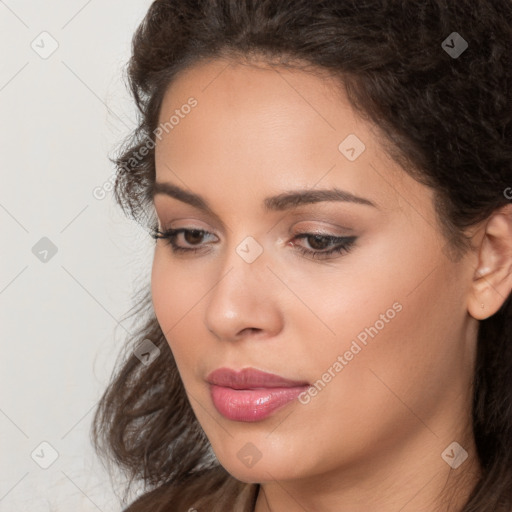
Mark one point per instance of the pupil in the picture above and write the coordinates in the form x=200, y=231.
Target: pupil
x=319, y=242
x=193, y=236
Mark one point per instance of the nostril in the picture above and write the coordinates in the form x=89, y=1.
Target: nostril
x=249, y=330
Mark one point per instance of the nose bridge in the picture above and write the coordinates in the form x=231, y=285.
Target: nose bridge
x=240, y=299
x=242, y=270
x=245, y=261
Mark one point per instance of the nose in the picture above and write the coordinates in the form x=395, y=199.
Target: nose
x=244, y=302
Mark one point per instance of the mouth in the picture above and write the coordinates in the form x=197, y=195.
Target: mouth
x=251, y=395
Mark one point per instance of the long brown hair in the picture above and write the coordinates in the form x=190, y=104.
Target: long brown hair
x=448, y=122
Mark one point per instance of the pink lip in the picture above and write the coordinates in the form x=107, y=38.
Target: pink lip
x=251, y=395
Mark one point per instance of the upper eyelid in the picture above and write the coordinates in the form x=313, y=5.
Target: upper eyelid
x=298, y=214
x=300, y=235
x=302, y=218
x=313, y=232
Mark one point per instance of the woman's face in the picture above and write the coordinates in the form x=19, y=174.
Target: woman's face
x=378, y=329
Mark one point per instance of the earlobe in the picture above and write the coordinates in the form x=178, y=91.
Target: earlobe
x=492, y=280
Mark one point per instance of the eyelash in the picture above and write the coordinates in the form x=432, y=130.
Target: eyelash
x=345, y=243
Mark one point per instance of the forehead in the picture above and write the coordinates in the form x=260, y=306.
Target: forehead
x=272, y=127
x=260, y=92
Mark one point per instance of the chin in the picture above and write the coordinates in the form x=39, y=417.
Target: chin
x=263, y=469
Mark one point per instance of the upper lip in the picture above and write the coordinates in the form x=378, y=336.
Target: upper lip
x=250, y=378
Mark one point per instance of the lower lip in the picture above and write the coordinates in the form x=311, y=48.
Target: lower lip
x=251, y=404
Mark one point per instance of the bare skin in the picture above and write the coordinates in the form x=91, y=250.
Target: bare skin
x=373, y=437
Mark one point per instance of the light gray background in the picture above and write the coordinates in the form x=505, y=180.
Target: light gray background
x=62, y=320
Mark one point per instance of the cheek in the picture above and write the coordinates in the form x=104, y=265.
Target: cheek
x=163, y=284
x=175, y=288
x=388, y=317
x=174, y=295
x=178, y=293
x=402, y=357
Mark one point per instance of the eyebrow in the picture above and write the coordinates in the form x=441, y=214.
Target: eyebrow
x=280, y=202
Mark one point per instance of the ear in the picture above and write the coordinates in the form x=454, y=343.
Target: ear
x=492, y=281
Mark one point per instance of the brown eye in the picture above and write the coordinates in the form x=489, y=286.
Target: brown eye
x=193, y=236
x=318, y=242
x=324, y=246
x=190, y=237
